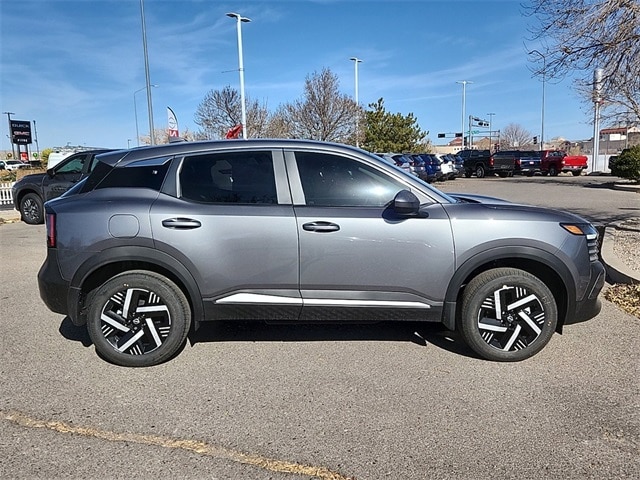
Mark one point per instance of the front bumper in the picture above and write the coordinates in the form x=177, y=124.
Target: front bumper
x=590, y=305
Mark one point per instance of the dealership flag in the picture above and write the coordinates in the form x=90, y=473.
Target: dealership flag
x=173, y=124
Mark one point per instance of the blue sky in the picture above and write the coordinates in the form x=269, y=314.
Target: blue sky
x=73, y=66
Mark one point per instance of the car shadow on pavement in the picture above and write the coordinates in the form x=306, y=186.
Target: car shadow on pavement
x=72, y=332
x=419, y=333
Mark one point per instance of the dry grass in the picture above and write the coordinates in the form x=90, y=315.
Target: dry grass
x=627, y=297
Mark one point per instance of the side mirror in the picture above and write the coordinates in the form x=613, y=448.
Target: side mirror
x=406, y=203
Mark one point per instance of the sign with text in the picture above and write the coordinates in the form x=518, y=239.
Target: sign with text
x=21, y=132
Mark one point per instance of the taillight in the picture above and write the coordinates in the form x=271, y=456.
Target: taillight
x=51, y=230
x=491, y=161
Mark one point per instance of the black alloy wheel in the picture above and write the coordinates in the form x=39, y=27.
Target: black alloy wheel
x=31, y=209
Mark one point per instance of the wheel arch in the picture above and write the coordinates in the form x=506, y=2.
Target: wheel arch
x=27, y=189
x=108, y=263
x=538, y=262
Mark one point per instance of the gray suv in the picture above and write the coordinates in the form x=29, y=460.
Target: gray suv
x=157, y=240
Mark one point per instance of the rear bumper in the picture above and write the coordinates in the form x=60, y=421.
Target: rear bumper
x=53, y=288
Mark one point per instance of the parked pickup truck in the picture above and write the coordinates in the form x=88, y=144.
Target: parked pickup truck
x=527, y=162
x=482, y=163
x=31, y=191
x=553, y=162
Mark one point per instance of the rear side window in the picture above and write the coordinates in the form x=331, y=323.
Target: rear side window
x=233, y=177
x=143, y=174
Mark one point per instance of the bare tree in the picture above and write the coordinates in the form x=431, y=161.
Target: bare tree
x=221, y=109
x=579, y=36
x=515, y=136
x=323, y=113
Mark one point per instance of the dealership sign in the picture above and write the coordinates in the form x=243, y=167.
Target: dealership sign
x=21, y=132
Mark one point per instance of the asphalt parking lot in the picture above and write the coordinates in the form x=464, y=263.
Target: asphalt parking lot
x=397, y=401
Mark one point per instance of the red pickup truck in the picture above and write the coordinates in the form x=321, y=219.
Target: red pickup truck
x=556, y=161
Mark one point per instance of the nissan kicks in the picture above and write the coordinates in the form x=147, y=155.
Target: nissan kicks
x=157, y=240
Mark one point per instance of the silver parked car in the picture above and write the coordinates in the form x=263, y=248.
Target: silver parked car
x=157, y=240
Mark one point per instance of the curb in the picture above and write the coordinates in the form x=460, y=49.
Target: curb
x=626, y=187
x=617, y=271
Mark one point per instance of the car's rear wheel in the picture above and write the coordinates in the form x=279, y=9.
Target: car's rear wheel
x=576, y=173
x=507, y=315
x=553, y=170
x=480, y=171
x=138, y=319
x=31, y=209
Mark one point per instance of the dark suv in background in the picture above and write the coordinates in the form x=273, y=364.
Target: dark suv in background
x=157, y=240
x=31, y=191
x=482, y=163
x=526, y=162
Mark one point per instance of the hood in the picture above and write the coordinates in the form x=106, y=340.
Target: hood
x=473, y=198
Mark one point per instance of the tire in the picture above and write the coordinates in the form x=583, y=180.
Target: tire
x=149, y=333
x=503, y=174
x=553, y=170
x=479, y=171
x=507, y=315
x=32, y=209
x=468, y=173
x=576, y=173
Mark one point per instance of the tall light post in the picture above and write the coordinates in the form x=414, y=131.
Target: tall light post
x=464, y=103
x=135, y=112
x=239, y=20
x=491, y=128
x=152, y=134
x=544, y=81
x=8, y=114
x=356, y=61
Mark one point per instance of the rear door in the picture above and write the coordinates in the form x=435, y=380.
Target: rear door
x=233, y=227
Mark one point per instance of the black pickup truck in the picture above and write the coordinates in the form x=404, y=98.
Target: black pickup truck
x=31, y=191
x=482, y=163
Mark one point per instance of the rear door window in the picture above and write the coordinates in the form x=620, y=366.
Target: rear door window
x=229, y=177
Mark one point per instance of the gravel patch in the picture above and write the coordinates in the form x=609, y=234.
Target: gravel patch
x=627, y=244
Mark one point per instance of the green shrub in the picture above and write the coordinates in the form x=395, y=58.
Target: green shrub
x=627, y=165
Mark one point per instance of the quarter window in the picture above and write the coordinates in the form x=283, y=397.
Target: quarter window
x=234, y=177
x=335, y=181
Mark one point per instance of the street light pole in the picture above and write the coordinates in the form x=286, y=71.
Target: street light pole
x=152, y=135
x=491, y=128
x=544, y=81
x=8, y=114
x=239, y=20
x=464, y=101
x=356, y=61
x=135, y=113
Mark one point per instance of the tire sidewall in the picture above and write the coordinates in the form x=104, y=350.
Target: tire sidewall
x=171, y=296
x=483, y=286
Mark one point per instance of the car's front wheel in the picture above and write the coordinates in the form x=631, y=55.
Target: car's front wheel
x=138, y=319
x=31, y=209
x=507, y=314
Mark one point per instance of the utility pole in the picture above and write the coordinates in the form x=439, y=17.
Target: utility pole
x=8, y=114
